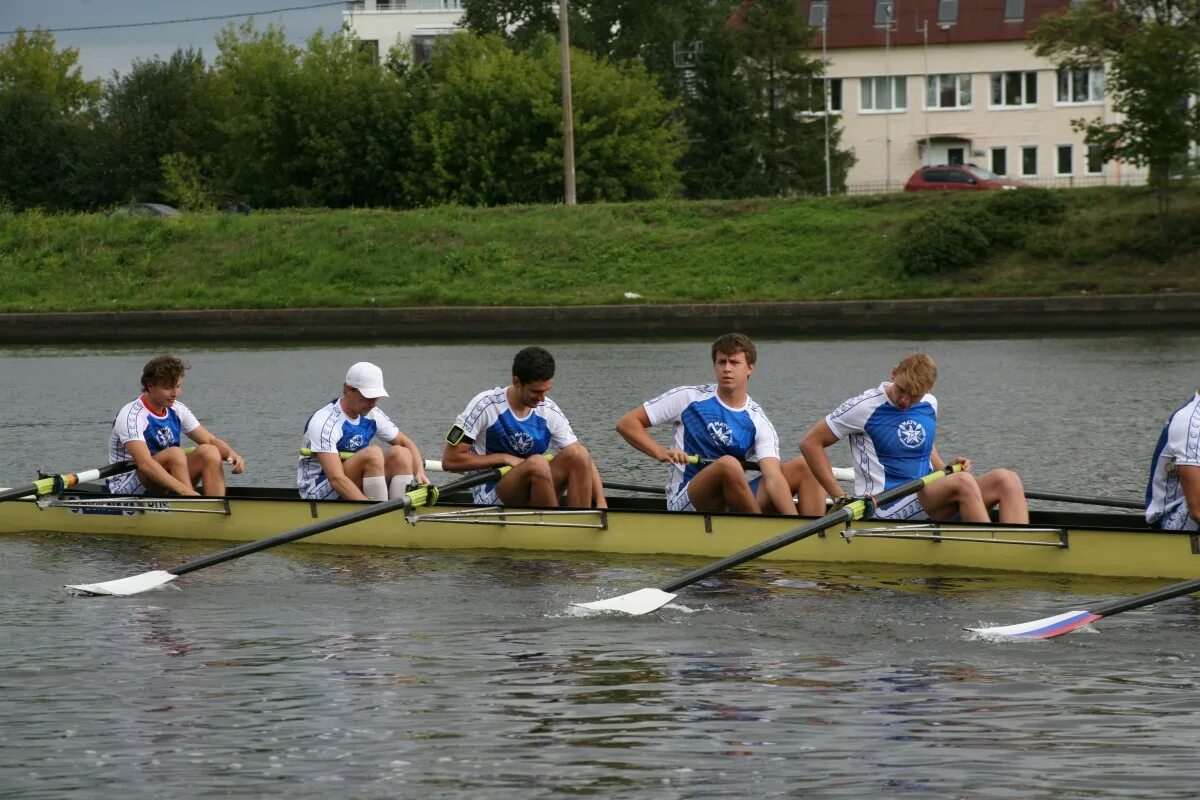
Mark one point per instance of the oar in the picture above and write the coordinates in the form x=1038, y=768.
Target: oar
x=430, y=464
x=841, y=473
x=1086, y=501
x=58, y=483
x=643, y=601
x=421, y=496
x=1049, y=627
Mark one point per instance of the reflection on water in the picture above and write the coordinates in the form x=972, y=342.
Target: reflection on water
x=344, y=672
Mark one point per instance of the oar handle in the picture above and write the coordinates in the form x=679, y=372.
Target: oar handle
x=422, y=496
x=847, y=514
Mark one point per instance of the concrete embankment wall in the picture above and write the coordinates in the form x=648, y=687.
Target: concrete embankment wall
x=544, y=323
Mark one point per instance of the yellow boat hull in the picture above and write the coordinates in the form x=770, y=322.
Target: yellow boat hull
x=1067, y=543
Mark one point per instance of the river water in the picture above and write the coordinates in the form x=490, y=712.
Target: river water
x=341, y=672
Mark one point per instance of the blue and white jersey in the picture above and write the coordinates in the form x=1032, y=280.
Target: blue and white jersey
x=490, y=422
x=887, y=446
x=136, y=422
x=703, y=425
x=330, y=430
x=1179, y=445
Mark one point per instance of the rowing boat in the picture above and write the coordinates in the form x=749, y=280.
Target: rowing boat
x=1108, y=544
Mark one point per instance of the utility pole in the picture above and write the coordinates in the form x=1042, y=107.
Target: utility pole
x=825, y=96
x=568, y=113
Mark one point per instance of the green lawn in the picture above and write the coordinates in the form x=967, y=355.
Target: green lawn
x=1110, y=241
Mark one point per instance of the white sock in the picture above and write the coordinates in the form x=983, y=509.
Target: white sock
x=398, y=486
x=375, y=488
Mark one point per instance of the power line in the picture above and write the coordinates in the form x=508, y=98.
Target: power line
x=187, y=19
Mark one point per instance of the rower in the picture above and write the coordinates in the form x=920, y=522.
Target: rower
x=1173, y=494
x=148, y=431
x=515, y=426
x=721, y=424
x=891, y=429
x=347, y=424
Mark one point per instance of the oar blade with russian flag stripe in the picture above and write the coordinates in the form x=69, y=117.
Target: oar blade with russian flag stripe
x=1050, y=627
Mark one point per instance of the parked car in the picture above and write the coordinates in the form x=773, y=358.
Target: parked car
x=144, y=210
x=957, y=177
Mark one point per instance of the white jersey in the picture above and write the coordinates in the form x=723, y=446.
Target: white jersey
x=331, y=430
x=490, y=422
x=135, y=422
x=888, y=446
x=1178, y=445
x=705, y=426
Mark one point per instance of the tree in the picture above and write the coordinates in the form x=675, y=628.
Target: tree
x=160, y=108
x=617, y=30
x=1151, y=52
x=773, y=39
x=725, y=157
x=492, y=130
x=33, y=63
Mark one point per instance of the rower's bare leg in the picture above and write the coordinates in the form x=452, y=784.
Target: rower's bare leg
x=365, y=468
x=810, y=495
x=572, y=470
x=598, y=498
x=1004, y=486
x=399, y=469
x=528, y=483
x=204, y=467
x=174, y=461
x=954, y=494
x=722, y=484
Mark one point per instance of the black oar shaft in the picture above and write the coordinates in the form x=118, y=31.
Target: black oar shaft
x=826, y=522
x=1156, y=596
x=1077, y=499
x=634, y=487
x=373, y=510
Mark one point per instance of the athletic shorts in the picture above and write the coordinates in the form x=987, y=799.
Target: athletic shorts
x=318, y=491
x=905, y=508
x=126, y=483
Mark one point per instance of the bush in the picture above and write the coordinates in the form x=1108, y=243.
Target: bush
x=941, y=240
x=1027, y=206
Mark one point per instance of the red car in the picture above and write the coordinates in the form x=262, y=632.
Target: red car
x=957, y=177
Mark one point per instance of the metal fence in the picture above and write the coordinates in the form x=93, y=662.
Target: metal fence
x=1128, y=178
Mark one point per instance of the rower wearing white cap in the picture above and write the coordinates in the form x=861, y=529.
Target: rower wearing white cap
x=347, y=424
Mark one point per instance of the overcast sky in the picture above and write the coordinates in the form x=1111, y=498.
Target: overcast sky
x=102, y=51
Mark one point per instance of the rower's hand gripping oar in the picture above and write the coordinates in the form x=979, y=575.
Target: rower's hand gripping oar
x=1049, y=627
x=643, y=601
x=421, y=496
x=54, y=484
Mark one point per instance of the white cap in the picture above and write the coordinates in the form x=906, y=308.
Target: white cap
x=367, y=378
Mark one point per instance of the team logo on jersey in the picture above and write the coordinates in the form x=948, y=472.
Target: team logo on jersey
x=355, y=443
x=519, y=443
x=719, y=432
x=163, y=438
x=911, y=433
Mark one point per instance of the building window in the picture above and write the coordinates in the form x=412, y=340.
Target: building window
x=1014, y=10
x=883, y=94
x=816, y=89
x=371, y=48
x=422, y=48
x=1029, y=161
x=817, y=13
x=948, y=91
x=1095, y=165
x=1077, y=86
x=884, y=13
x=1000, y=160
x=1014, y=89
x=947, y=12
x=1064, y=156
x=356, y=5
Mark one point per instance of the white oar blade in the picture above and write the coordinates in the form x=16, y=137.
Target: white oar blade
x=643, y=601
x=124, y=587
x=1046, y=628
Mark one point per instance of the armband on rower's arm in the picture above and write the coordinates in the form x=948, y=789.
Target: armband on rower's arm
x=457, y=436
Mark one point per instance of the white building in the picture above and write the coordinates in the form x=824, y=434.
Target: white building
x=918, y=82
x=380, y=24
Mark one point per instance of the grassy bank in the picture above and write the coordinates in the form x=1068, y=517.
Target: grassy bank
x=1108, y=241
